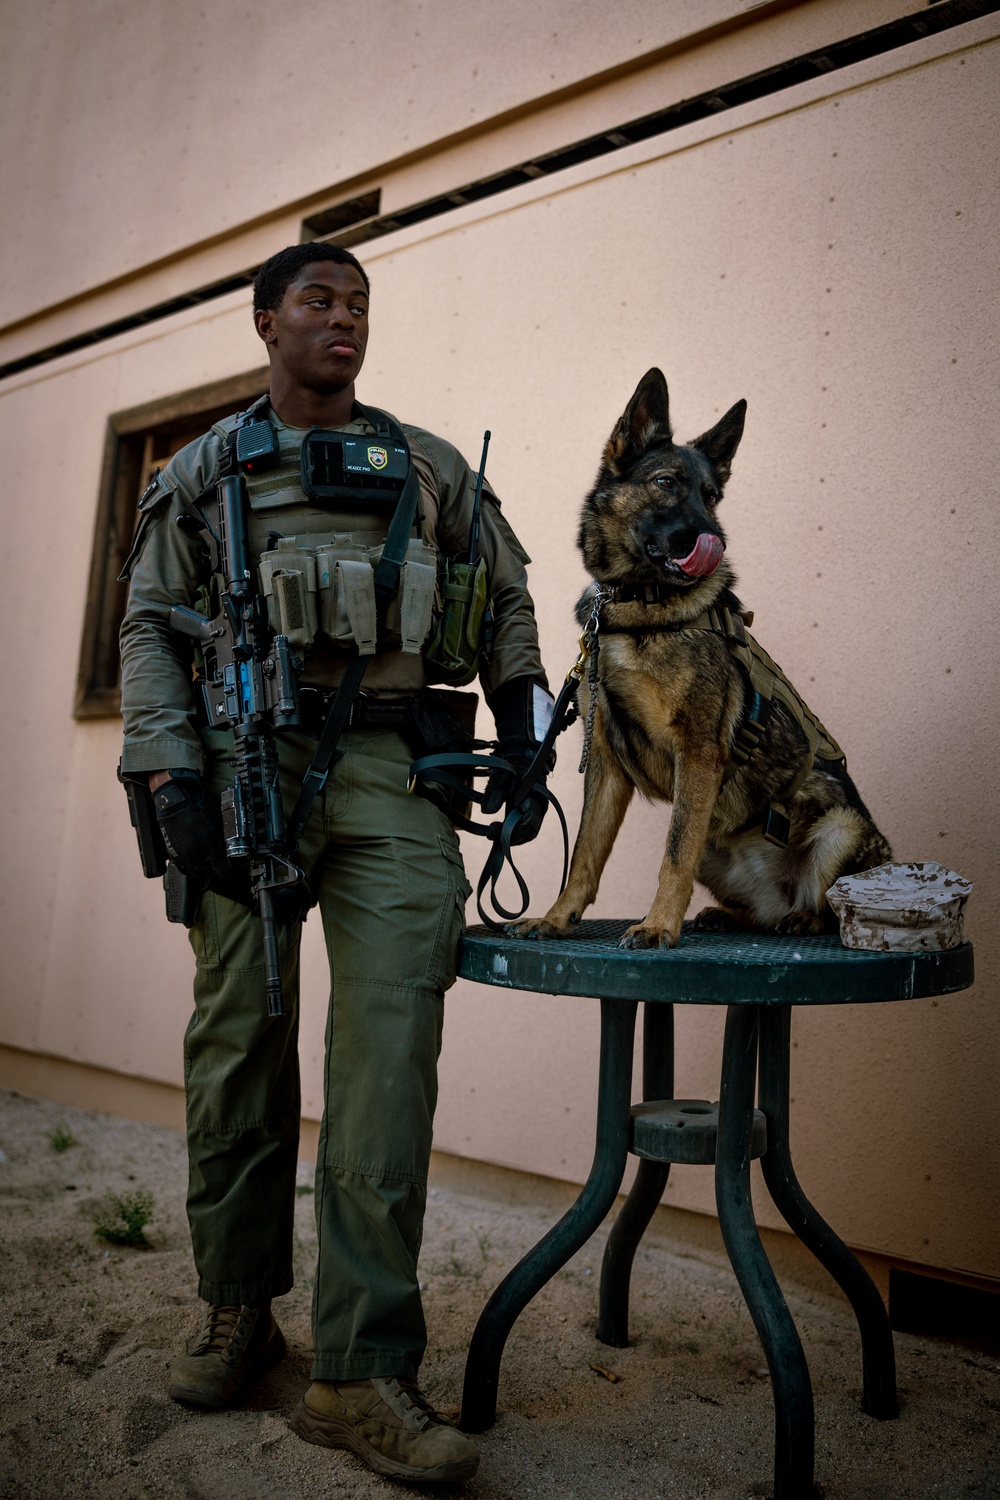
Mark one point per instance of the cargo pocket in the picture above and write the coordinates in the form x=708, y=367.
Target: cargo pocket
x=443, y=964
x=204, y=936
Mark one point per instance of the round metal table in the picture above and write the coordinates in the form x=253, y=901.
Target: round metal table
x=759, y=978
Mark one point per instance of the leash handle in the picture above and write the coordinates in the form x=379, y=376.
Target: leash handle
x=501, y=835
x=443, y=770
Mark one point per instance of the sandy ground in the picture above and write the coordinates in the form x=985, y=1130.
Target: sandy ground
x=88, y=1331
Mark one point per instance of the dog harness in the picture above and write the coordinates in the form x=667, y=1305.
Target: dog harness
x=766, y=681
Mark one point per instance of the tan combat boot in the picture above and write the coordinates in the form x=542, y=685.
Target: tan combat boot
x=236, y=1345
x=390, y=1425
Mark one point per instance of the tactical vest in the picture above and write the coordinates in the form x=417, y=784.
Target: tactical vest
x=316, y=567
x=768, y=685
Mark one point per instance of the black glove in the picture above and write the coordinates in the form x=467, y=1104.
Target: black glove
x=520, y=733
x=192, y=835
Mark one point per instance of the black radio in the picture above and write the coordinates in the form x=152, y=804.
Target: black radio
x=257, y=447
x=339, y=467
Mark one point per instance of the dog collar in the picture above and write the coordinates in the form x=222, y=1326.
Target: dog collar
x=639, y=593
x=726, y=616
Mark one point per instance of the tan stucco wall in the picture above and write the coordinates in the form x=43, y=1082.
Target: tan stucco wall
x=182, y=217
x=828, y=254
x=291, y=97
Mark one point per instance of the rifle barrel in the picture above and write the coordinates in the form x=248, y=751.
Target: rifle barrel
x=272, y=961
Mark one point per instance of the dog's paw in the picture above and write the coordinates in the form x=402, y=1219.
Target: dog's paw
x=715, y=919
x=641, y=936
x=801, y=924
x=535, y=927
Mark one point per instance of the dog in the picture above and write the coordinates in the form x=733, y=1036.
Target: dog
x=687, y=709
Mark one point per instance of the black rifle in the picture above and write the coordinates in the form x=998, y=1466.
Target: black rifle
x=250, y=686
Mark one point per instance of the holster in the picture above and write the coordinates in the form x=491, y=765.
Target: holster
x=152, y=850
x=183, y=895
x=183, y=892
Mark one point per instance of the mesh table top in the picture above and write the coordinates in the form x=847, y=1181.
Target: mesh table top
x=709, y=968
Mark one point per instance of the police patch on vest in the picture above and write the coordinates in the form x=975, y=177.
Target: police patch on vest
x=337, y=467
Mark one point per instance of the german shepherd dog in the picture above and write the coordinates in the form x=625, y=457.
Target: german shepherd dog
x=671, y=698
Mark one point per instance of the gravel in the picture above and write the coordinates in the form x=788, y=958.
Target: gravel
x=88, y=1330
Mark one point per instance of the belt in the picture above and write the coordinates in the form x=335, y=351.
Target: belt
x=367, y=710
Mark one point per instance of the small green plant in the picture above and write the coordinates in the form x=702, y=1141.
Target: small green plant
x=485, y=1246
x=125, y=1217
x=61, y=1139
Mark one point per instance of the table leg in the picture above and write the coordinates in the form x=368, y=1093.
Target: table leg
x=877, y=1352
x=647, y=1189
x=574, y=1229
x=790, y=1385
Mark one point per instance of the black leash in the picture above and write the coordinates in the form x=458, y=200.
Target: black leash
x=452, y=770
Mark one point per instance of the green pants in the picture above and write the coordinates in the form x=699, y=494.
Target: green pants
x=388, y=873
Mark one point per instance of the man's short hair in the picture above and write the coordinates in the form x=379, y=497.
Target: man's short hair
x=277, y=274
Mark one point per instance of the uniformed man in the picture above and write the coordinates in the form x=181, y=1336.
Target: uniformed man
x=385, y=870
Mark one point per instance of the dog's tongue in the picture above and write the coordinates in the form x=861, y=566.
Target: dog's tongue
x=704, y=557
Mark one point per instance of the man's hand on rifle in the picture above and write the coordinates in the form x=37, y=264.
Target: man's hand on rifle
x=193, y=838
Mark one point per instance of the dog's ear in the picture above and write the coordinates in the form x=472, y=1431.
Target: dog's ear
x=719, y=443
x=644, y=422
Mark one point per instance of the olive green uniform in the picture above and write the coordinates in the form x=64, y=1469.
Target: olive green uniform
x=387, y=873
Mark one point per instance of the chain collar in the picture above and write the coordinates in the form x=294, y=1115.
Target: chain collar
x=589, y=659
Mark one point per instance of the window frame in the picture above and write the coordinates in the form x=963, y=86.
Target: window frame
x=98, y=683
